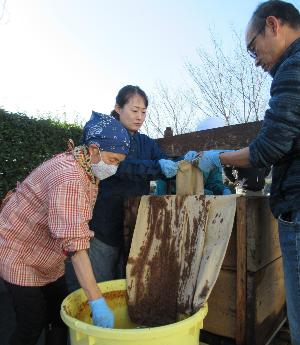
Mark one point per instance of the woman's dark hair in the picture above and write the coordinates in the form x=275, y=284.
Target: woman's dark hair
x=286, y=12
x=124, y=96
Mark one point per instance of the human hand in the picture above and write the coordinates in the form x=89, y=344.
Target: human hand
x=190, y=155
x=226, y=191
x=101, y=313
x=209, y=160
x=168, y=167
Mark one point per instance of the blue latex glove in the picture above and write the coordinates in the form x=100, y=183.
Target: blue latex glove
x=101, y=314
x=211, y=160
x=168, y=167
x=190, y=155
x=226, y=191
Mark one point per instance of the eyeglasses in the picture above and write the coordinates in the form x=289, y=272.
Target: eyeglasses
x=251, y=50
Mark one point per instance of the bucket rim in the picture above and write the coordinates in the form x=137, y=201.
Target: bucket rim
x=93, y=330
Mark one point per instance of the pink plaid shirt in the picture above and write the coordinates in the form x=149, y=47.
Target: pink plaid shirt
x=47, y=215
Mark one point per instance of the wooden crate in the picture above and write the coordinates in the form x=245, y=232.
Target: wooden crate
x=247, y=303
x=264, y=309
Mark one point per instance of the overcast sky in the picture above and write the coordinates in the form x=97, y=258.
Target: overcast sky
x=74, y=55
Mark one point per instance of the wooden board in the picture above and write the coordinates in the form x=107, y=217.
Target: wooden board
x=230, y=256
x=189, y=180
x=228, y=137
x=221, y=315
x=262, y=241
x=131, y=207
x=265, y=304
x=241, y=272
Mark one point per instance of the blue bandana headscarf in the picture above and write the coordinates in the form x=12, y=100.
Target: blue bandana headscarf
x=107, y=133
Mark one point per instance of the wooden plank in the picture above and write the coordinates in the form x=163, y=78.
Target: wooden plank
x=269, y=301
x=230, y=256
x=241, y=274
x=262, y=237
x=228, y=137
x=131, y=207
x=189, y=180
x=221, y=316
x=262, y=234
x=265, y=305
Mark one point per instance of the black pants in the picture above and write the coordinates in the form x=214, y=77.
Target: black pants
x=37, y=308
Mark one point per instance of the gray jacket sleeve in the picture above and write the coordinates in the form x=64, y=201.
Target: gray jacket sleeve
x=281, y=126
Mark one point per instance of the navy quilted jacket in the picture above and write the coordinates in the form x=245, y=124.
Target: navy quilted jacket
x=278, y=142
x=132, y=179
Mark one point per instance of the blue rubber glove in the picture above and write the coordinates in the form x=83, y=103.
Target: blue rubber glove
x=226, y=191
x=210, y=160
x=190, y=155
x=168, y=167
x=101, y=314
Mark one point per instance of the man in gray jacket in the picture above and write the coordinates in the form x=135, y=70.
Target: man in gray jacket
x=273, y=40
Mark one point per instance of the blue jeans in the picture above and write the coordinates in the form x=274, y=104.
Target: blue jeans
x=289, y=236
x=107, y=263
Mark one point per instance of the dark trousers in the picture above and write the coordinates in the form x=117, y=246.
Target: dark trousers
x=37, y=308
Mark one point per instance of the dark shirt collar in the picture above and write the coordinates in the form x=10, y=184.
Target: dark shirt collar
x=133, y=135
x=291, y=50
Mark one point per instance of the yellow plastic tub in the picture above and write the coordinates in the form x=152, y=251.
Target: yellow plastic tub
x=75, y=313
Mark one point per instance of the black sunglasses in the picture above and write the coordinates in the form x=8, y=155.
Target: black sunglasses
x=250, y=50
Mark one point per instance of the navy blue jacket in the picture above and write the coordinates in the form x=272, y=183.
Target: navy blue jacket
x=132, y=179
x=278, y=142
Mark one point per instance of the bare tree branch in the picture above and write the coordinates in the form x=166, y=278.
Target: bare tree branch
x=169, y=108
x=229, y=85
x=3, y=9
x=224, y=85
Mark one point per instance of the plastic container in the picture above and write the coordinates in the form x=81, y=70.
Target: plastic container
x=75, y=313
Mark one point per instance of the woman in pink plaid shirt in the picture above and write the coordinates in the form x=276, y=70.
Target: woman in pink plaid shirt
x=46, y=220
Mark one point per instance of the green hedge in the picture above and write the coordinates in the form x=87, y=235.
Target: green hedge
x=25, y=143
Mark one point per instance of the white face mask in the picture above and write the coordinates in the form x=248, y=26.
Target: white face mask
x=102, y=170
